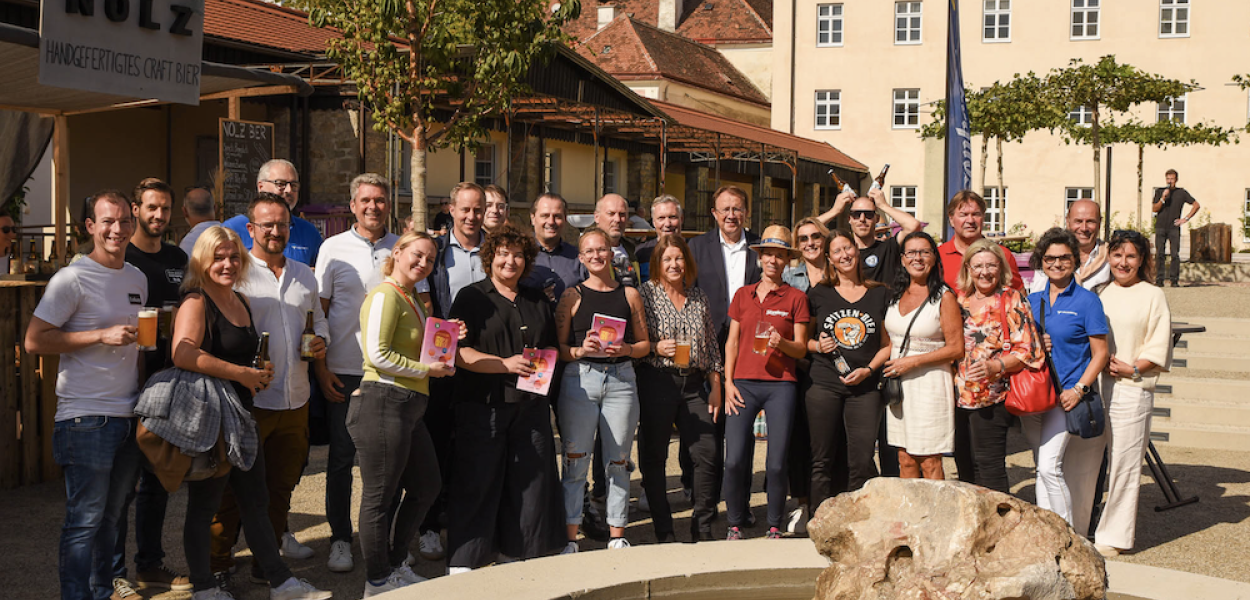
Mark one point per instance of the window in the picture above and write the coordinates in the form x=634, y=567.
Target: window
x=997, y=21
x=828, y=109
x=1085, y=19
x=484, y=165
x=605, y=16
x=1082, y=116
x=1072, y=194
x=1173, y=110
x=1245, y=217
x=906, y=109
x=903, y=197
x=828, y=25
x=995, y=210
x=551, y=172
x=609, y=177
x=1173, y=18
x=907, y=22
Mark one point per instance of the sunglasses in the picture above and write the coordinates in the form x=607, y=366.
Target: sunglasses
x=815, y=237
x=862, y=214
x=7, y=229
x=1127, y=234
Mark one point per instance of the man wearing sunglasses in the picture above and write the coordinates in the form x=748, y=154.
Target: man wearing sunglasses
x=280, y=178
x=882, y=258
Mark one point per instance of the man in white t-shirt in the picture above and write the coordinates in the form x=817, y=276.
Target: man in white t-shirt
x=88, y=315
x=349, y=265
x=281, y=292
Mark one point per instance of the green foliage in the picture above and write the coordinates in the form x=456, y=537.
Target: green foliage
x=16, y=204
x=1147, y=227
x=1159, y=135
x=433, y=71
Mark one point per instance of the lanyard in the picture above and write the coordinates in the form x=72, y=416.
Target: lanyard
x=420, y=315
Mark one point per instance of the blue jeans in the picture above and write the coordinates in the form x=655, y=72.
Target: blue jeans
x=101, y=462
x=150, y=502
x=339, y=463
x=600, y=397
x=777, y=400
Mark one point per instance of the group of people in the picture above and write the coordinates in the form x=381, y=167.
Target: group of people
x=808, y=328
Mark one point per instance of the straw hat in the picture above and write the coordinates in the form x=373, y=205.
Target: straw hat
x=776, y=236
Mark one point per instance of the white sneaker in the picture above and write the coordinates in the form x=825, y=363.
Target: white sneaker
x=643, y=505
x=798, y=521
x=291, y=548
x=340, y=557
x=213, y=594
x=298, y=589
x=393, y=582
x=431, y=546
x=571, y=548
x=458, y=570
x=618, y=543
x=408, y=575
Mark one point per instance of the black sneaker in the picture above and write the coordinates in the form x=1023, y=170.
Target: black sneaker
x=257, y=575
x=667, y=537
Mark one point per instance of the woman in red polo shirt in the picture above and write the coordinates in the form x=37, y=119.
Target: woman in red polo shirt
x=767, y=332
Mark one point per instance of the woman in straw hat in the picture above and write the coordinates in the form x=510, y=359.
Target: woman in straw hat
x=767, y=332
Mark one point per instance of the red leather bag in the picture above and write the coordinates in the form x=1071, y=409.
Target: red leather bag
x=1029, y=391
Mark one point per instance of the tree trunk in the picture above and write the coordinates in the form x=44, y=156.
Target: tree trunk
x=1095, y=130
x=1002, y=189
x=985, y=152
x=1141, y=154
x=419, y=210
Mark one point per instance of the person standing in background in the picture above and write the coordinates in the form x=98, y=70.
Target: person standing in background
x=1167, y=204
x=280, y=178
x=201, y=213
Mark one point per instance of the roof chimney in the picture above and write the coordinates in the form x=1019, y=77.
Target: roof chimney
x=605, y=16
x=670, y=14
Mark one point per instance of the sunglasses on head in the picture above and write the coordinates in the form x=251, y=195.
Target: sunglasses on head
x=1126, y=234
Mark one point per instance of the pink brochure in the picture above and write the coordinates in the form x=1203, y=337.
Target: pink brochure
x=544, y=369
x=611, y=330
x=441, y=338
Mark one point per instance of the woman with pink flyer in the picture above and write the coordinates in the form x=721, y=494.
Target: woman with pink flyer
x=510, y=508
x=601, y=327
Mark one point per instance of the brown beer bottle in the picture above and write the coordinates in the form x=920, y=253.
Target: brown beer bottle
x=53, y=261
x=32, y=258
x=262, y=353
x=879, y=182
x=306, y=340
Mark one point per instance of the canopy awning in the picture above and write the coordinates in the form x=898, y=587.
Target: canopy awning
x=20, y=88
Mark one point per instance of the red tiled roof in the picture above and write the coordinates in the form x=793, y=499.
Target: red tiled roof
x=630, y=49
x=807, y=149
x=264, y=24
x=709, y=21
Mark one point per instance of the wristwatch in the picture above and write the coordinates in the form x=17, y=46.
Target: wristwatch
x=1136, y=374
x=1081, y=388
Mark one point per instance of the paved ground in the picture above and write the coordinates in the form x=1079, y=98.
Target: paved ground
x=1208, y=538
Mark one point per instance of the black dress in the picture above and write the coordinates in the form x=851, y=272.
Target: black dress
x=229, y=342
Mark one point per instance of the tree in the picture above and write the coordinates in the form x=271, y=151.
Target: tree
x=1102, y=88
x=433, y=71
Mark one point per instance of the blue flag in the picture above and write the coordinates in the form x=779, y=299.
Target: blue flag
x=958, y=141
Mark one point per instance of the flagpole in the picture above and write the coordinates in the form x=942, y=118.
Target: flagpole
x=946, y=139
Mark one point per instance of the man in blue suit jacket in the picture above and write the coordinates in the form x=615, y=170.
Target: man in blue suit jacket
x=724, y=256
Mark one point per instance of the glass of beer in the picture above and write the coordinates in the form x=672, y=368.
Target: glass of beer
x=147, y=329
x=166, y=321
x=763, y=331
x=682, y=356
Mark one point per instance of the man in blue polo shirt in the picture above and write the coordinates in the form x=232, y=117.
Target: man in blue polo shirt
x=279, y=177
x=556, y=268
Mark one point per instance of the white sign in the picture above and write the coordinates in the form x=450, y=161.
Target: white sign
x=137, y=48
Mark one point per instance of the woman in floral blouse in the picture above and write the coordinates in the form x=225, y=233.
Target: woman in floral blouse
x=684, y=355
x=990, y=355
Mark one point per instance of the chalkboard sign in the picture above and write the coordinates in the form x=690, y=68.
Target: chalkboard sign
x=243, y=146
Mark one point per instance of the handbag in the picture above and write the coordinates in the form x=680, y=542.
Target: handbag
x=1087, y=419
x=1029, y=391
x=892, y=387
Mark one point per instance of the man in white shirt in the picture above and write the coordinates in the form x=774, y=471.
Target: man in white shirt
x=1084, y=221
x=281, y=292
x=349, y=265
x=88, y=315
x=201, y=213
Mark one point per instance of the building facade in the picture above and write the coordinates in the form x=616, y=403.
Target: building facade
x=864, y=74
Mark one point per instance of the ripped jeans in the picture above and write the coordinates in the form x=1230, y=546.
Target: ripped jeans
x=599, y=397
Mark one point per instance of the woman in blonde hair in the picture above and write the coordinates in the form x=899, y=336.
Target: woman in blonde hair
x=393, y=446
x=998, y=340
x=214, y=335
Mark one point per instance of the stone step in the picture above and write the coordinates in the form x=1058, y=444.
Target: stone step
x=1213, y=437
x=1206, y=343
x=1180, y=411
x=1211, y=362
x=1220, y=390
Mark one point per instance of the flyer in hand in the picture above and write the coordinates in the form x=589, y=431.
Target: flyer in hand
x=611, y=331
x=544, y=369
x=441, y=338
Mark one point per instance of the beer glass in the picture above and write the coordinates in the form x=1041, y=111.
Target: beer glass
x=166, y=321
x=147, y=329
x=763, y=331
x=682, y=357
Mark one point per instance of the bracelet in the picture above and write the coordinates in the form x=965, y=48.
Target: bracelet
x=1002, y=369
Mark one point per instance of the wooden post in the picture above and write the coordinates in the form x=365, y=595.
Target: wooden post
x=60, y=181
x=234, y=108
x=48, y=366
x=32, y=449
x=10, y=396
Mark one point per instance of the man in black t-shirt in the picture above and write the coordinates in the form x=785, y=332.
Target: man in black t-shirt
x=1167, y=205
x=164, y=265
x=882, y=258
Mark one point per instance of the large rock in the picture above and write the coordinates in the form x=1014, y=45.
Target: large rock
x=913, y=539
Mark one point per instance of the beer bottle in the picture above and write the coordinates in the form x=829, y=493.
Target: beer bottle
x=53, y=262
x=15, y=259
x=69, y=250
x=839, y=184
x=32, y=258
x=262, y=353
x=879, y=182
x=306, y=340
x=839, y=361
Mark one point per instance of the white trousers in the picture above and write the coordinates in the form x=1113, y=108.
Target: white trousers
x=1047, y=433
x=1128, y=426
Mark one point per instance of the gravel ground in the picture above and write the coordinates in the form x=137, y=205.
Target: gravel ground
x=1208, y=538
x=1229, y=300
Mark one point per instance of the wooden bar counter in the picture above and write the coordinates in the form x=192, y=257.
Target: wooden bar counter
x=27, y=392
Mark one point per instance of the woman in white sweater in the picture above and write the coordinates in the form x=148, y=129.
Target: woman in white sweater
x=1141, y=347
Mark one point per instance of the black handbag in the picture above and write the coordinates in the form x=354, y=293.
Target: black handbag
x=892, y=387
x=1087, y=419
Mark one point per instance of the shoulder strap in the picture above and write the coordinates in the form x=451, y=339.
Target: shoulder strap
x=907, y=335
x=1050, y=364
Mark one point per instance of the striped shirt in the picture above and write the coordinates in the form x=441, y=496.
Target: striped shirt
x=392, y=326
